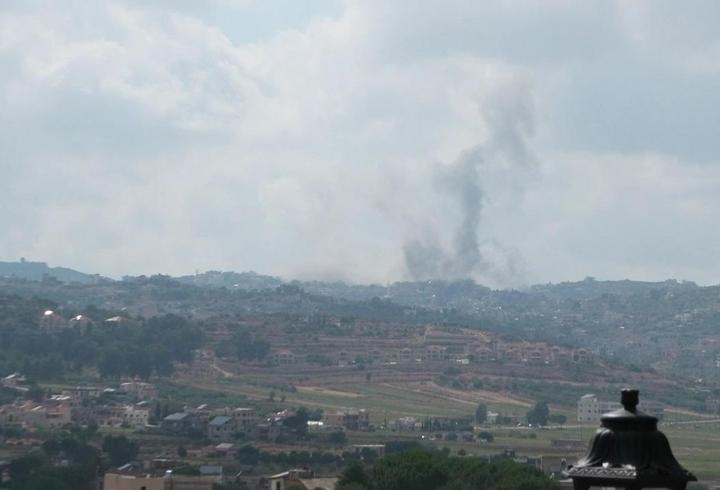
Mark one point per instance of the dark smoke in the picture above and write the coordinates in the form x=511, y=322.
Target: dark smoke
x=510, y=120
x=426, y=258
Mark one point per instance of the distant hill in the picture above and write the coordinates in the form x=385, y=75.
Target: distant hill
x=239, y=280
x=38, y=271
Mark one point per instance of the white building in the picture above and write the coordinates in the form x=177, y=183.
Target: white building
x=590, y=408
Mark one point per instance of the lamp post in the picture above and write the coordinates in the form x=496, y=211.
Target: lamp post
x=628, y=451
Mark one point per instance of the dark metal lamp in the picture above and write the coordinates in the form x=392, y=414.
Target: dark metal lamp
x=628, y=451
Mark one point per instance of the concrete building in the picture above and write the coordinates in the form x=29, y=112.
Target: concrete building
x=140, y=390
x=179, y=422
x=51, y=320
x=590, y=408
x=303, y=478
x=245, y=418
x=284, y=357
x=126, y=481
x=221, y=429
x=348, y=419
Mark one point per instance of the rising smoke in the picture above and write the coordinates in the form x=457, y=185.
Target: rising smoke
x=465, y=256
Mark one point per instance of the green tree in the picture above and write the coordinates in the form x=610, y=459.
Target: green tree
x=354, y=476
x=412, y=470
x=298, y=422
x=337, y=438
x=119, y=449
x=481, y=413
x=539, y=414
x=249, y=347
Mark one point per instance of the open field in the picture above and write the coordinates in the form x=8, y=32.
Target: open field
x=383, y=400
x=696, y=444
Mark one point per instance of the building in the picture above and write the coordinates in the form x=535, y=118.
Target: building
x=712, y=405
x=378, y=450
x=131, y=481
x=51, y=320
x=15, y=381
x=303, y=478
x=178, y=423
x=80, y=321
x=348, y=419
x=221, y=429
x=47, y=415
x=140, y=390
x=405, y=423
x=284, y=357
x=245, y=418
x=436, y=353
x=590, y=408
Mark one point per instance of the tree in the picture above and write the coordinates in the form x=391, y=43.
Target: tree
x=337, y=438
x=481, y=413
x=298, y=422
x=119, y=449
x=248, y=347
x=412, y=470
x=486, y=436
x=539, y=414
x=354, y=476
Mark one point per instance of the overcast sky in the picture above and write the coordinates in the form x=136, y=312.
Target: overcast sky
x=358, y=139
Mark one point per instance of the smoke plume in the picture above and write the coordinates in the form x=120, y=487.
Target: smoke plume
x=467, y=254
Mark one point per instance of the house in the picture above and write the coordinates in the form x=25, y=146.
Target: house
x=582, y=356
x=82, y=393
x=590, y=408
x=30, y=414
x=226, y=450
x=302, y=478
x=51, y=320
x=80, y=321
x=284, y=357
x=245, y=418
x=168, y=481
x=436, y=353
x=348, y=419
x=137, y=415
x=15, y=381
x=362, y=449
x=178, y=423
x=140, y=390
x=212, y=471
x=221, y=428
x=405, y=423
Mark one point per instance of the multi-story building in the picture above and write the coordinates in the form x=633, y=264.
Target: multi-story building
x=140, y=481
x=140, y=390
x=590, y=408
x=221, y=429
x=348, y=419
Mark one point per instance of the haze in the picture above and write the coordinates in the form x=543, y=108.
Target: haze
x=512, y=142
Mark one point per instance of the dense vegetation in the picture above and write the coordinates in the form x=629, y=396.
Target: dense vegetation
x=67, y=461
x=135, y=347
x=424, y=470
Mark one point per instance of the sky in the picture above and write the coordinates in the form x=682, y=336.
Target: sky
x=512, y=142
